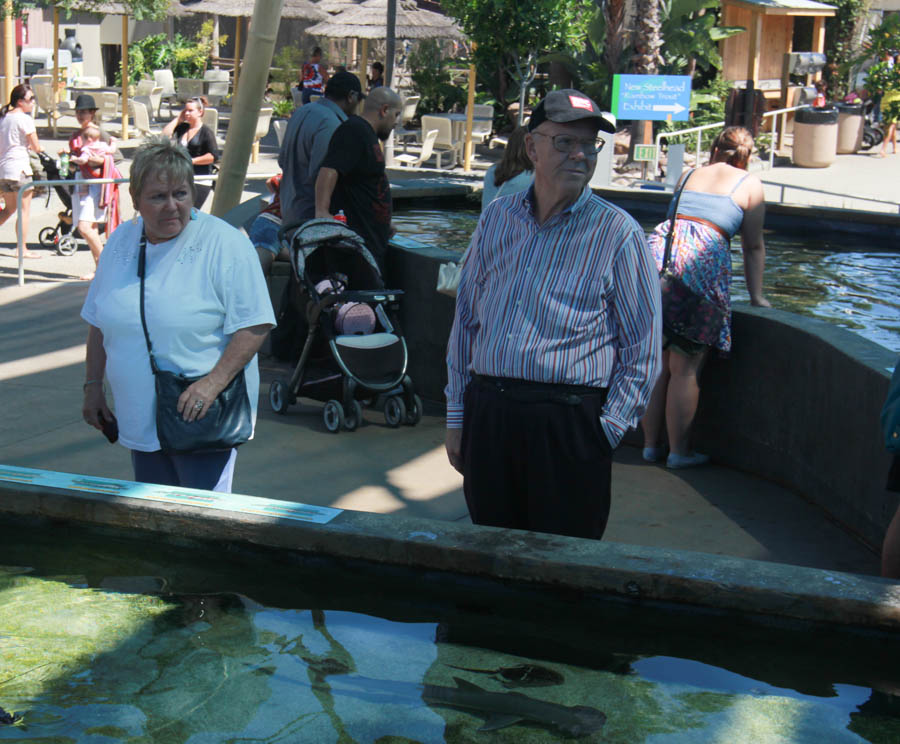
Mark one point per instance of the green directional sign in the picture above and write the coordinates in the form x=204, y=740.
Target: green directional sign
x=646, y=153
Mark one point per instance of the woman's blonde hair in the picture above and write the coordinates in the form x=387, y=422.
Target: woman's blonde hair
x=162, y=158
x=733, y=146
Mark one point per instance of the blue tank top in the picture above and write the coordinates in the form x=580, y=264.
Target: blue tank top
x=720, y=209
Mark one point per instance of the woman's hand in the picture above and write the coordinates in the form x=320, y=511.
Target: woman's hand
x=194, y=402
x=94, y=406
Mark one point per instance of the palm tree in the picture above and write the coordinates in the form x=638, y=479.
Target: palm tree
x=648, y=38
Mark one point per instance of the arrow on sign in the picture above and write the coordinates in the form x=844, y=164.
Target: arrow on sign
x=674, y=108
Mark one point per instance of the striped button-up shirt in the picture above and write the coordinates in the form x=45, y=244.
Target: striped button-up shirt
x=575, y=301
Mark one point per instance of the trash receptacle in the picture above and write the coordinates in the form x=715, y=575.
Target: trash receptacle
x=850, y=127
x=815, y=137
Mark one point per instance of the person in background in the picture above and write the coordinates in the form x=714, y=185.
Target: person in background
x=93, y=148
x=263, y=232
x=88, y=209
x=207, y=310
x=306, y=141
x=377, y=79
x=190, y=131
x=718, y=200
x=313, y=76
x=352, y=177
x=512, y=174
x=821, y=89
x=556, y=340
x=18, y=135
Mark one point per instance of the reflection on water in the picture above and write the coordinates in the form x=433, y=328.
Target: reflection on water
x=91, y=658
x=857, y=290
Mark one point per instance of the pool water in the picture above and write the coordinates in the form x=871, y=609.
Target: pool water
x=855, y=289
x=134, y=643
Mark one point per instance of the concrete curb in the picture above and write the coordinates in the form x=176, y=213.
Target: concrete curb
x=543, y=562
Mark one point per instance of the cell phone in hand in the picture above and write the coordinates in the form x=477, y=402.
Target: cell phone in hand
x=110, y=429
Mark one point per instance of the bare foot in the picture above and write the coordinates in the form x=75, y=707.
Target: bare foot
x=86, y=277
x=32, y=254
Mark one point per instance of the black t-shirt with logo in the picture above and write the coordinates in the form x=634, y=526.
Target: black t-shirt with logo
x=362, y=190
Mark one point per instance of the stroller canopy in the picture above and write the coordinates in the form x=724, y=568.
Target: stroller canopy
x=323, y=246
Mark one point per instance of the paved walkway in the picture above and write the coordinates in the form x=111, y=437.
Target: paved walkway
x=376, y=469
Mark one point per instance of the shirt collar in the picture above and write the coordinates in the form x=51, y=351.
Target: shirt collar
x=526, y=201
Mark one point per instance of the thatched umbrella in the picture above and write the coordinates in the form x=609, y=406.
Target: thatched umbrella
x=336, y=6
x=299, y=9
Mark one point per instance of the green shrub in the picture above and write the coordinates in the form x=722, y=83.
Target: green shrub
x=430, y=73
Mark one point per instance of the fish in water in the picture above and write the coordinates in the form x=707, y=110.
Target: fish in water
x=9, y=718
x=503, y=709
x=521, y=675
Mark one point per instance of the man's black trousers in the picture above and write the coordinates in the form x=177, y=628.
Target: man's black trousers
x=535, y=457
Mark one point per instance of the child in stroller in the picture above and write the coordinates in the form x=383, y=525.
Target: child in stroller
x=61, y=237
x=344, y=360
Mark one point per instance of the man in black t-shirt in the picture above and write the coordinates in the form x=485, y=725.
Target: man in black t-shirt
x=352, y=178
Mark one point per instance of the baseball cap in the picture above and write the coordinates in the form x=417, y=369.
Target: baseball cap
x=567, y=105
x=84, y=102
x=343, y=83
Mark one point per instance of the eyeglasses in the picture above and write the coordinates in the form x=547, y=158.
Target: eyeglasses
x=568, y=144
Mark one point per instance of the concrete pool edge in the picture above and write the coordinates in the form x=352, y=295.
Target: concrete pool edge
x=548, y=562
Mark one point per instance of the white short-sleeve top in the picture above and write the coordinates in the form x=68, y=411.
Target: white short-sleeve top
x=200, y=288
x=14, y=130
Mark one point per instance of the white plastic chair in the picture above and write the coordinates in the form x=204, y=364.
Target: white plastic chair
x=262, y=129
x=410, y=103
x=280, y=127
x=410, y=160
x=187, y=88
x=444, y=143
x=139, y=106
x=107, y=104
x=165, y=80
x=43, y=94
x=217, y=87
x=297, y=97
x=482, y=122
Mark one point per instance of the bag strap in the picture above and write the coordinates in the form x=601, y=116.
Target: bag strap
x=671, y=235
x=142, y=270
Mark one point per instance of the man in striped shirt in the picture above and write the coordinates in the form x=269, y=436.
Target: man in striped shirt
x=556, y=342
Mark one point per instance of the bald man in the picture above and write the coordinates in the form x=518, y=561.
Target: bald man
x=352, y=178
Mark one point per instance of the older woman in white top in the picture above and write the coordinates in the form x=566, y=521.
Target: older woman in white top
x=18, y=135
x=207, y=310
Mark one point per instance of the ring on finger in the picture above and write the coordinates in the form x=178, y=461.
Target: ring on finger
x=198, y=405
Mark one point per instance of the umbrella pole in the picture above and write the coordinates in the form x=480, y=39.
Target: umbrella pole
x=238, y=22
x=363, y=62
x=124, y=78
x=55, y=94
x=470, y=113
x=245, y=109
x=9, y=52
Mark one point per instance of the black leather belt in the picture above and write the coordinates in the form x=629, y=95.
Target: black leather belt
x=529, y=391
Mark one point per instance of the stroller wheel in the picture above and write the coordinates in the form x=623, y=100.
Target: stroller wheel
x=414, y=414
x=333, y=414
x=66, y=246
x=394, y=411
x=278, y=396
x=353, y=417
x=47, y=237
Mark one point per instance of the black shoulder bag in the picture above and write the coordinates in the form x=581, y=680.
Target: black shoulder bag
x=685, y=312
x=228, y=420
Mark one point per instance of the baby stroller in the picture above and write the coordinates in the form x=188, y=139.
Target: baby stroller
x=62, y=237
x=353, y=349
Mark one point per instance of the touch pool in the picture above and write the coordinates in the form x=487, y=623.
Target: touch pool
x=116, y=634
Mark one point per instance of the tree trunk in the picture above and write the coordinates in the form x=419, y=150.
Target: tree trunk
x=614, y=45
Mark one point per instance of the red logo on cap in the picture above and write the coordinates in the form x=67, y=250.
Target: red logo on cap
x=579, y=102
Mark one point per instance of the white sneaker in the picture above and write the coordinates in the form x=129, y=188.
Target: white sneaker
x=652, y=454
x=686, y=461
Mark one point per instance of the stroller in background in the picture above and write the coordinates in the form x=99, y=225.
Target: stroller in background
x=62, y=237
x=341, y=288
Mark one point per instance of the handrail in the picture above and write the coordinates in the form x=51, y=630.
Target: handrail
x=681, y=132
x=20, y=238
x=872, y=199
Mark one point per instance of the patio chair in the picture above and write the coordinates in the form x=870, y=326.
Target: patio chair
x=107, y=104
x=280, y=127
x=296, y=97
x=140, y=110
x=211, y=119
x=444, y=143
x=42, y=85
x=165, y=80
x=187, y=88
x=482, y=124
x=262, y=129
x=410, y=160
x=218, y=82
x=410, y=103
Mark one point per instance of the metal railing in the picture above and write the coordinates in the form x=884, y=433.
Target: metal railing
x=843, y=197
x=20, y=237
x=783, y=112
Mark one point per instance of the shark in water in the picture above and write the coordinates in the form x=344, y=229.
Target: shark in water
x=504, y=709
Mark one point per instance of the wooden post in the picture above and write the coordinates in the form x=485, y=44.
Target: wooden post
x=55, y=78
x=124, y=78
x=470, y=113
x=756, y=24
x=238, y=22
x=818, y=40
x=9, y=54
x=363, y=61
